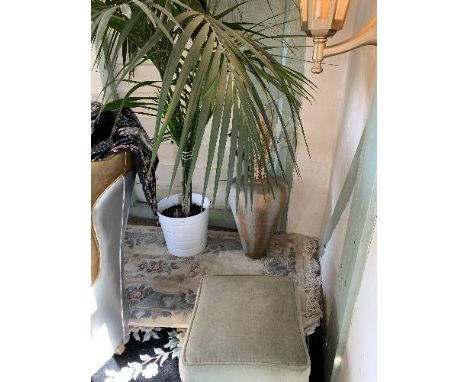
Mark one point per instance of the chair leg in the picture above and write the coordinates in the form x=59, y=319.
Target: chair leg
x=120, y=349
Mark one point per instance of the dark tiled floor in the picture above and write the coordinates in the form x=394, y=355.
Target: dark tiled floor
x=316, y=355
x=168, y=372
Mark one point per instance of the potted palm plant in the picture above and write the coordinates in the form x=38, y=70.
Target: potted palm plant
x=215, y=73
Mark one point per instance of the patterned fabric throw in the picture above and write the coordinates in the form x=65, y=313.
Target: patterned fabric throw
x=127, y=134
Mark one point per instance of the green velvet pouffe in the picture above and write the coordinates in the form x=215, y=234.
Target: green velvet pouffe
x=245, y=328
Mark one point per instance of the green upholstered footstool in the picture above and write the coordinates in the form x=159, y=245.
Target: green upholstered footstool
x=245, y=329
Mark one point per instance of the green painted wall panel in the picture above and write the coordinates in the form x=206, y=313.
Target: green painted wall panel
x=360, y=226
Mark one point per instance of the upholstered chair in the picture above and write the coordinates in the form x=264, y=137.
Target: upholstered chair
x=112, y=182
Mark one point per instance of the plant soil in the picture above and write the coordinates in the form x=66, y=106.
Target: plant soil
x=176, y=211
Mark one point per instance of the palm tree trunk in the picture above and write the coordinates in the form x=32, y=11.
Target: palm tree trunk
x=186, y=187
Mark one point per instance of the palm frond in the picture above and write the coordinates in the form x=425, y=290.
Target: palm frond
x=211, y=70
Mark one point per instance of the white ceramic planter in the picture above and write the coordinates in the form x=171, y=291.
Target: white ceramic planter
x=184, y=236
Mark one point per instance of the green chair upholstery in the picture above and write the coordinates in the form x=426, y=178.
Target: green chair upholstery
x=245, y=328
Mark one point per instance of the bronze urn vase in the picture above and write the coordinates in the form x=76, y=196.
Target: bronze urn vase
x=257, y=221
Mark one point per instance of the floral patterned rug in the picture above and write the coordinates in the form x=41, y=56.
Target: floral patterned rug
x=162, y=288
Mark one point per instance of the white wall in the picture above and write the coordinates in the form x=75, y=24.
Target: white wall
x=334, y=125
x=321, y=119
x=359, y=363
x=359, y=360
x=359, y=90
